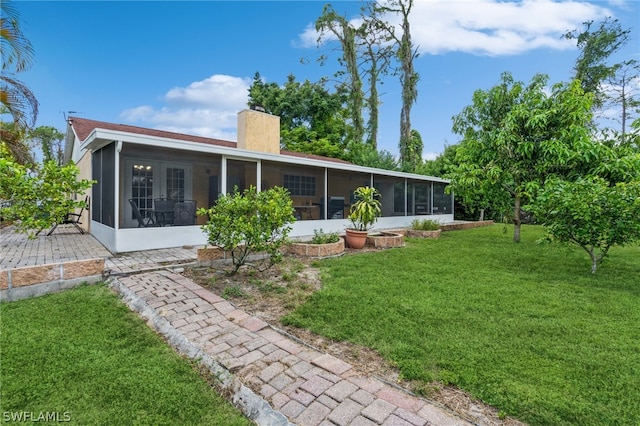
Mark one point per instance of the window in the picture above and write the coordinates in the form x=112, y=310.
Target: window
x=302, y=186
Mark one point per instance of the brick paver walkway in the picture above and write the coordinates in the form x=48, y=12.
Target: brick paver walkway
x=304, y=384
x=64, y=245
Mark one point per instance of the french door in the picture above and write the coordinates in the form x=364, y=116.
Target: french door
x=147, y=180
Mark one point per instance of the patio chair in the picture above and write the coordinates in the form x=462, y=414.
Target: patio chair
x=143, y=222
x=163, y=211
x=71, y=218
x=184, y=212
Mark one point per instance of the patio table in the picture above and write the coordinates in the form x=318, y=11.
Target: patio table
x=163, y=217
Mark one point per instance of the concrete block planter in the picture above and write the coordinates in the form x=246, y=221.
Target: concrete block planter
x=384, y=240
x=306, y=249
x=413, y=233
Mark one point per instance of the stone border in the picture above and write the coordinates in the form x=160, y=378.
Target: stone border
x=465, y=225
x=415, y=233
x=319, y=251
x=385, y=239
x=30, y=281
x=253, y=406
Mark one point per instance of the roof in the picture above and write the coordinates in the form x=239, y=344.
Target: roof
x=84, y=127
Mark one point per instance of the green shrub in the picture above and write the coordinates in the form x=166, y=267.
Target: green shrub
x=36, y=199
x=250, y=223
x=425, y=225
x=319, y=237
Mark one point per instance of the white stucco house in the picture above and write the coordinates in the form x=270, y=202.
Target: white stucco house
x=163, y=174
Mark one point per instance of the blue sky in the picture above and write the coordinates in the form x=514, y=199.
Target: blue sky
x=186, y=66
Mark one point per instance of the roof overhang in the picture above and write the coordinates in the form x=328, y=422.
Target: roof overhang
x=99, y=138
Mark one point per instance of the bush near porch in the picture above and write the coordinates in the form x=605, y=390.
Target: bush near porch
x=523, y=327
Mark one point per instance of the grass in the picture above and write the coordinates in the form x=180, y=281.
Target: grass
x=524, y=327
x=83, y=354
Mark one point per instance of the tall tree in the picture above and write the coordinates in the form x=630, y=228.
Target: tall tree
x=413, y=156
x=346, y=35
x=596, y=47
x=622, y=91
x=49, y=141
x=377, y=54
x=406, y=52
x=516, y=135
x=365, y=54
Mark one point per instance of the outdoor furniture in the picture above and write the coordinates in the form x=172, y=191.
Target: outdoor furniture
x=305, y=211
x=143, y=222
x=336, y=208
x=71, y=218
x=163, y=211
x=184, y=213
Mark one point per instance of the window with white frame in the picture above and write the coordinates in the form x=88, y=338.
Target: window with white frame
x=302, y=186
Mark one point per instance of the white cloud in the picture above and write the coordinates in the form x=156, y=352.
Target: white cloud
x=429, y=156
x=308, y=38
x=491, y=27
x=205, y=108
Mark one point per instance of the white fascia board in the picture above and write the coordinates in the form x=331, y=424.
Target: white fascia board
x=101, y=137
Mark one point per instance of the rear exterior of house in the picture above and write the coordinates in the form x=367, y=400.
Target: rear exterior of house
x=143, y=169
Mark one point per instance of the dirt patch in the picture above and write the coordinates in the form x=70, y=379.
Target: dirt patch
x=271, y=294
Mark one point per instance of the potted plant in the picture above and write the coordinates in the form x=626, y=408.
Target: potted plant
x=363, y=214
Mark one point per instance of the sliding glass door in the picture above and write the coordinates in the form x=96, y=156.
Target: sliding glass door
x=146, y=180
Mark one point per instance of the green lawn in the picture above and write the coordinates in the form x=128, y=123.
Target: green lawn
x=524, y=327
x=83, y=355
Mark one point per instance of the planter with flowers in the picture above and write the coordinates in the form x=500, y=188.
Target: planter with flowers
x=425, y=228
x=320, y=246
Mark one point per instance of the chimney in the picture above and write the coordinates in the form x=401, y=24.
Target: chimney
x=258, y=131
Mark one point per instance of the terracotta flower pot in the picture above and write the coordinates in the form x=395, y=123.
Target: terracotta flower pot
x=355, y=239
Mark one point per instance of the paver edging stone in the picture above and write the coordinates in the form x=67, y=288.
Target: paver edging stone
x=252, y=405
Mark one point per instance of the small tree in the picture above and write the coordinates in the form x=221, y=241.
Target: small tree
x=515, y=135
x=249, y=223
x=591, y=214
x=40, y=197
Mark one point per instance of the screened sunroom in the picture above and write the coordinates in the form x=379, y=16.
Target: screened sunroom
x=150, y=182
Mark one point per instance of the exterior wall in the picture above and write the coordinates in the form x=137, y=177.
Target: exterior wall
x=105, y=234
x=258, y=131
x=137, y=239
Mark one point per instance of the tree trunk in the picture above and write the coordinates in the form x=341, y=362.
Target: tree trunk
x=516, y=220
